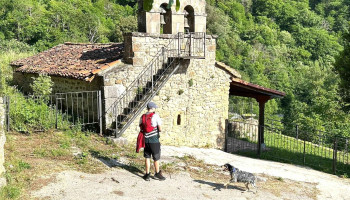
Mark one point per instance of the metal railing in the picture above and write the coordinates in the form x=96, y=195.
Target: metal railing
x=152, y=78
x=322, y=151
x=191, y=45
x=7, y=112
x=61, y=110
x=82, y=108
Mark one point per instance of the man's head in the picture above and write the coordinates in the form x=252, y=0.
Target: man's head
x=151, y=106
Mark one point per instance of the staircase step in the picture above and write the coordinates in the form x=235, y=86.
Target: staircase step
x=134, y=106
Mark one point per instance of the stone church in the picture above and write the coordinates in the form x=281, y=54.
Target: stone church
x=170, y=61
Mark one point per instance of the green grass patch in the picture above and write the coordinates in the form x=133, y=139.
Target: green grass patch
x=288, y=149
x=9, y=192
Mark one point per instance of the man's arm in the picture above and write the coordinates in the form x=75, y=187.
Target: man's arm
x=157, y=122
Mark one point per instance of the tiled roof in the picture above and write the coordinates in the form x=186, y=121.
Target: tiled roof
x=240, y=87
x=228, y=69
x=79, y=61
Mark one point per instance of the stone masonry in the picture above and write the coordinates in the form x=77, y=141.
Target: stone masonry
x=193, y=103
x=2, y=142
x=148, y=22
x=192, y=115
x=61, y=84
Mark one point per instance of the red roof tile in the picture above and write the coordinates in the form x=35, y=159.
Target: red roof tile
x=240, y=87
x=79, y=61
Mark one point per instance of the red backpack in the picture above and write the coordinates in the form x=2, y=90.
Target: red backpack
x=147, y=123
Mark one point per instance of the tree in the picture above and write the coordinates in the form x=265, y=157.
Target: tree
x=342, y=67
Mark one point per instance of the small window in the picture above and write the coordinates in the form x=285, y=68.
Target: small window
x=179, y=120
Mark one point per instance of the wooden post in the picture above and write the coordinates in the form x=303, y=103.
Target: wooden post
x=261, y=100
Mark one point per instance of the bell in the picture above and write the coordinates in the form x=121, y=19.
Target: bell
x=186, y=25
x=162, y=20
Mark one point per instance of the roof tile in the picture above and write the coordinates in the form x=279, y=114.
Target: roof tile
x=78, y=61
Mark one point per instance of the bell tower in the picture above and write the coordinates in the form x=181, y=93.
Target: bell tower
x=191, y=17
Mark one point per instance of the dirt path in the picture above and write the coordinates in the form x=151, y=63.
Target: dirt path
x=277, y=181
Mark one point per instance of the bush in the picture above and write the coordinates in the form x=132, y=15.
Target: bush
x=42, y=85
x=15, y=45
x=10, y=192
x=10, y=51
x=34, y=113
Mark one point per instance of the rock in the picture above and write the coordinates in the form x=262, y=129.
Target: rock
x=2, y=137
x=2, y=182
x=261, y=179
x=181, y=164
x=76, y=151
x=236, y=116
x=195, y=168
x=118, y=141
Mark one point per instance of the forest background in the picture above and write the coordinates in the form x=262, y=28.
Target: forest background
x=300, y=47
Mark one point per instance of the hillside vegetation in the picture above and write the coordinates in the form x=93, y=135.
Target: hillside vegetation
x=288, y=45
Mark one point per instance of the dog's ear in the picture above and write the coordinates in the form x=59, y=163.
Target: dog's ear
x=225, y=167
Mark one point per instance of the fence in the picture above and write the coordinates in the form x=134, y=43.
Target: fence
x=243, y=107
x=62, y=110
x=191, y=44
x=320, y=150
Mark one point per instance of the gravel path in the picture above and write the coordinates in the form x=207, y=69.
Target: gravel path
x=117, y=183
x=330, y=186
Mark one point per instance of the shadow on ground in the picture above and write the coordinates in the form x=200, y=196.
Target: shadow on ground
x=219, y=186
x=110, y=162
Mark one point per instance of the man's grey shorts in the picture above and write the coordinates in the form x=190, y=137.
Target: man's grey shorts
x=152, y=150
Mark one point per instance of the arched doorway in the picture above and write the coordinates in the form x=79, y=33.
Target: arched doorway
x=189, y=19
x=165, y=19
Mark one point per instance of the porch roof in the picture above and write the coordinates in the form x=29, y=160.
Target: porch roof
x=239, y=87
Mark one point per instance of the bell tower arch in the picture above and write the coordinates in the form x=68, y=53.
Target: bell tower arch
x=190, y=17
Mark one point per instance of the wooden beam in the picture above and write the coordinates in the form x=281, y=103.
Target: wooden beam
x=262, y=101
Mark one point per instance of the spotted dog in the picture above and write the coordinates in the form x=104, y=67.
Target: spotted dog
x=239, y=176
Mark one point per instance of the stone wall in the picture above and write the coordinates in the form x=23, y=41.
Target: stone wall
x=61, y=84
x=192, y=115
x=2, y=142
x=242, y=135
x=73, y=85
x=193, y=103
x=141, y=48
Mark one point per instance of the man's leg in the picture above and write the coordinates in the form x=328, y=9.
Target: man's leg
x=148, y=165
x=156, y=166
x=147, y=155
x=158, y=173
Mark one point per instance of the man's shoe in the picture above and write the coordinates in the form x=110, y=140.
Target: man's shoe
x=147, y=177
x=159, y=176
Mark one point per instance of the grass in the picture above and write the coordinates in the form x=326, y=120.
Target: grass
x=291, y=150
x=30, y=156
x=33, y=159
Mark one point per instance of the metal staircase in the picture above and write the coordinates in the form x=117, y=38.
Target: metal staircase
x=153, y=77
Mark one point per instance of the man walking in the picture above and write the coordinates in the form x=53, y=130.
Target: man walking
x=150, y=124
